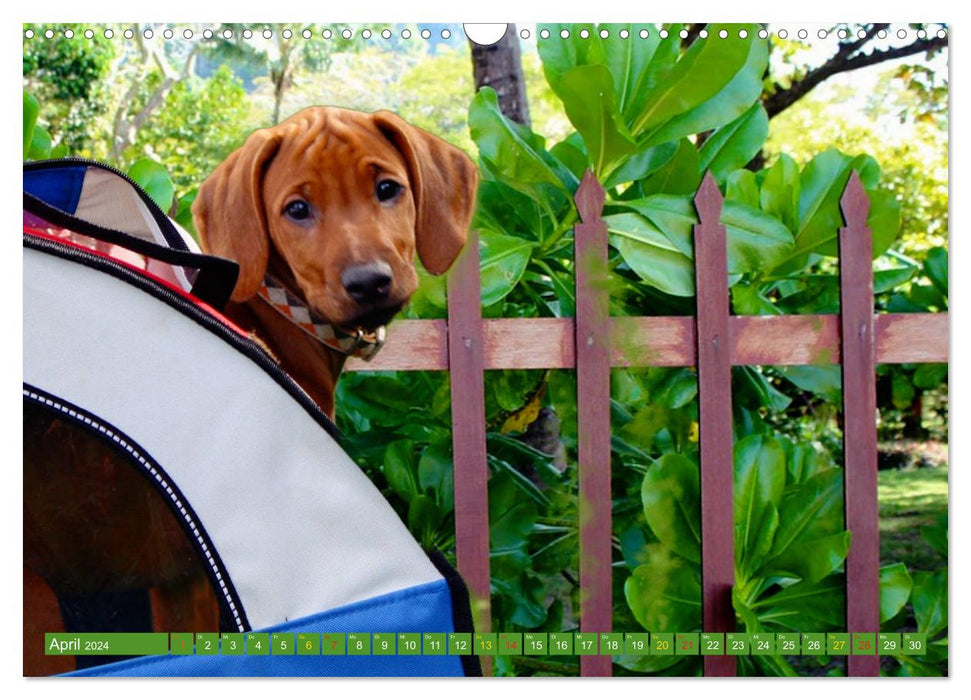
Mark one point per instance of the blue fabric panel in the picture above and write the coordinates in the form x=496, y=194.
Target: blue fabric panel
x=60, y=187
x=425, y=608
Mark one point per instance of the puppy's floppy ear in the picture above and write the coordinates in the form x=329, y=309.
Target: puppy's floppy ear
x=229, y=214
x=443, y=180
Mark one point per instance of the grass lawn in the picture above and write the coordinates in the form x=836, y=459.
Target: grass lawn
x=910, y=498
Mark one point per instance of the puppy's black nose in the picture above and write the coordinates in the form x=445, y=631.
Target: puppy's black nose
x=369, y=283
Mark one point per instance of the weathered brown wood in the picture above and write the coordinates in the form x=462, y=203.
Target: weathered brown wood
x=529, y=343
x=859, y=422
x=468, y=435
x=593, y=419
x=911, y=338
x=715, y=422
x=785, y=340
x=411, y=345
x=662, y=341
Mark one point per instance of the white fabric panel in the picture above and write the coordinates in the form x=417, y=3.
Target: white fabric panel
x=299, y=528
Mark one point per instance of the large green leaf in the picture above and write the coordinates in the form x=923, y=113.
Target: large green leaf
x=735, y=144
x=760, y=478
x=629, y=60
x=561, y=55
x=821, y=186
x=657, y=242
x=154, y=179
x=665, y=593
x=810, y=511
x=511, y=518
x=895, y=587
x=435, y=476
x=811, y=560
x=671, y=497
x=805, y=606
x=700, y=73
x=779, y=191
x=742, y=91
x=929, y=598
x=504, y=259
x=824, y=380
x=651, y=253
x=399, y=468
x=644, y=163
x=508, y=151
x=31, y=110
x=935, y=267
x=588, y=97
x=679, y=174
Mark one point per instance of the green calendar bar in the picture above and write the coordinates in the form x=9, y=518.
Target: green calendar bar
x=712, y=643
x=459, y=644
x=257, y=644
x=358, y=644
x=788, y=643
x=282, y=644
x=738, y=643
x=207, y=643
x=434, y=644
x=637, y=643
x=510, y=644
x=837, y=644
x=333, y=644
x=308, y=644
x=232, y=644
x=863, y=644
x=485, y=643
x=611, y=643
x=686, y=644
x=914, y=644
x=561, y=644
x=536, y=643
x=383, y=643
x=889, y=643
x=106, y=643
x=762, y=644
x=662, y=644
x=585, y=643
x=814, y=644
x=181, y=643
x=489, y=644
x=409, y=644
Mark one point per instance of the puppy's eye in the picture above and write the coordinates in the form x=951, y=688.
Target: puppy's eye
x=386, y=190
x=298, y=210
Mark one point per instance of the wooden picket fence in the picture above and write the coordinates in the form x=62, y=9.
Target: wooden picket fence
x=466, y=344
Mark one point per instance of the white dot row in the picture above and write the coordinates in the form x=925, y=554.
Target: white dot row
x=246, y=33
x=446, y=34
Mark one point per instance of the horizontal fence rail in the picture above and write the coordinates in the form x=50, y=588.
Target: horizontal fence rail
x=662, y=341
x=713, y=341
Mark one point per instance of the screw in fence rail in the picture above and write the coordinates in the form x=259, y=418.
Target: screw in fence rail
x=859, y=421
x=471, y=476
x=715, y=421
x=593, y=418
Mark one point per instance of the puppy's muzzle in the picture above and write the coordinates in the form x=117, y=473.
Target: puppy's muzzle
x=370, y=284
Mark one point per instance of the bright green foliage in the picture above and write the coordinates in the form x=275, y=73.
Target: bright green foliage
x=67, y=76
x=196, y=127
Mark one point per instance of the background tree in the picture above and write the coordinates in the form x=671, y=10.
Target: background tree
x=499, y=66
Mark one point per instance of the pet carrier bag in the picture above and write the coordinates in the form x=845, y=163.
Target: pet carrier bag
x=122, y=341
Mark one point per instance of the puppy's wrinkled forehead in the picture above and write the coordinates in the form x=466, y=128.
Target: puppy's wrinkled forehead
x=343, y=146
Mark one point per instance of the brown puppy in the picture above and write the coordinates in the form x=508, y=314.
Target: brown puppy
x=334, y=204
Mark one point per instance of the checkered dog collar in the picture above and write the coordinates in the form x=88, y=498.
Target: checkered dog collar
x=356, y=343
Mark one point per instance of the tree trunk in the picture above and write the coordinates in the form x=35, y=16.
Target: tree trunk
x=500, y=67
